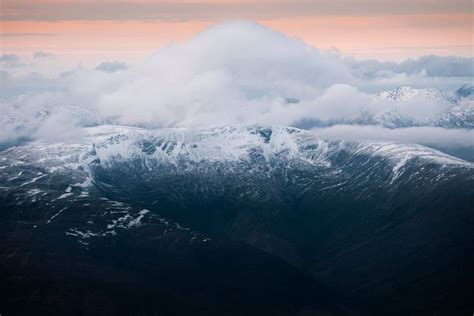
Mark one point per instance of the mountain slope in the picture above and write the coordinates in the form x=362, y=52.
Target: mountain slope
x=386, y=226
x=66, y=248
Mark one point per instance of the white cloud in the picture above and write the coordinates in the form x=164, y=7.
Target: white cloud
x=229, y=73
x=111, y=66
x=42, y=55
x=10, y=61
x=236, y=72
x=426, y=135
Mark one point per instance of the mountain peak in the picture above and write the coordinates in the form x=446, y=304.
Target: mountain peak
x=406, y=93
x=465, y=91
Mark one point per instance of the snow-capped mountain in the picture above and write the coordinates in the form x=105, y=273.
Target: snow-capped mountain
x=459, y=116
x=408, y=93
x=20, y=125
x=184, y=199
x=409, y=107
x=238, y=149
x=397, y=108
x=185, y=149
x=465, y=92
x=256, y=164
x=454, y=111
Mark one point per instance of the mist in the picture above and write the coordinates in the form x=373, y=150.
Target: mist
x=232, y=73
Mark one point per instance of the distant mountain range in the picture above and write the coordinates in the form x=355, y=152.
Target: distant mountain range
x=407, y=93
x=457, y=112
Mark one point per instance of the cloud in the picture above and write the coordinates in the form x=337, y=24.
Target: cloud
x=435, y=66
x=430, y=66
x=215, y=78
x=42, y=55
x=234, y=73
x=426, y=135
x=447, y=73
x=111, y=66
x=456, y=142
x=10, y=61
x=9, y=58
x=26, y=87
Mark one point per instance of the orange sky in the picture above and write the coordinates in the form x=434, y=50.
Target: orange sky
x=380, y=35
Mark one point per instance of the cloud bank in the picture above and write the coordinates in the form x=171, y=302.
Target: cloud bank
x=456, y=142
x=234, y=73
x=111, y=66
x=41, y=55
x=425, y=135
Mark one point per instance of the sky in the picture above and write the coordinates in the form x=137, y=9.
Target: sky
x=89, y=30
x=68, y=64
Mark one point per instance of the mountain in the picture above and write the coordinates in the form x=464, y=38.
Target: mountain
x=398, y=108
x=405, y=107
x=67, y=247
x=465, y=92
x=265, y=220
x=454, y=111
x=407, y=93
x=20, y=125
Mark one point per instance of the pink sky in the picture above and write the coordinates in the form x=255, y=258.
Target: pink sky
x=372, y=32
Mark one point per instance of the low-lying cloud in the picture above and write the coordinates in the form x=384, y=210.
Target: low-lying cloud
x=111, y=66
x=42, y=55
x=431, y=66
x=234, y=73
x=456, y=142
x=425, y=135
x=10, y=61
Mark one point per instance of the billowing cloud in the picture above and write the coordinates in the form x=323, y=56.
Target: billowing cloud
x=218, y=74
x=234, y=73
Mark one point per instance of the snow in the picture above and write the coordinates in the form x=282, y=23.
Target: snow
x=33, y=180
x=56, y=215
x=63, y=196
x=188, y=148
x=453, y=111
x=229, y=143
x=239, y=143
x=77, y=233
x=401, y=154
x=128, y=220
x=407, y=93
x=33, y=192
x=233, y=146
